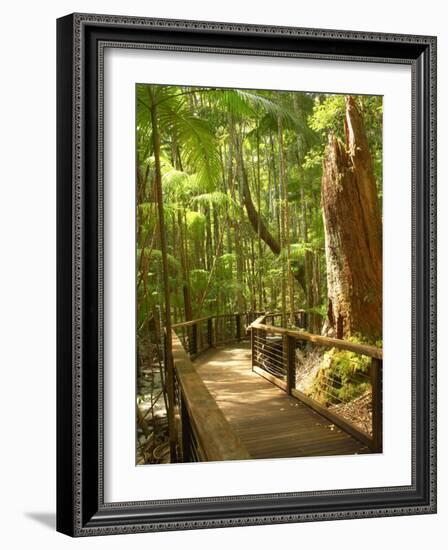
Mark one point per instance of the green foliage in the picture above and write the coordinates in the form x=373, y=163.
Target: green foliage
x=147, y=212
x=174, y=181
x=313, y=159
x=203, y=131
x=360, y=339
x=155, y=257
x=227, y=260
x=328, y=115
x=298, y=250
x=319, y=309
x=341, y=377
x=198, y=280
x=216, y=198
x=176, y=119
x=195, y=224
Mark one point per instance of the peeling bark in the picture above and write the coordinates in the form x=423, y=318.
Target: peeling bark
x=353, y=232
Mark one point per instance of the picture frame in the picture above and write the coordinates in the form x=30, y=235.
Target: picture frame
x=81, y=507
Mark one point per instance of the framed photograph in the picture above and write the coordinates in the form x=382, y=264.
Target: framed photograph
x=246, y=274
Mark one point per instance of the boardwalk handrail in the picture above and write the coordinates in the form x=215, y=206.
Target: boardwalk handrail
x=362, y=349
x=205, y=433
x=222, y=328
x=207, y=318
x=282, y=360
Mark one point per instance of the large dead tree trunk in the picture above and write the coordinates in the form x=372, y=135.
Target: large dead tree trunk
x=353, y=233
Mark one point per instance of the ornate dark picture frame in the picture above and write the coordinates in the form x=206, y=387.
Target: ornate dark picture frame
x=81, y=510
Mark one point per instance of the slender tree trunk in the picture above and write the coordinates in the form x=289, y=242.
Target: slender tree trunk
x=310, y=300
x=237, y=229
x=260, y=251
x=353, y=232
x=168, y=341
x=188, y=310
x=276, y=210
x=208, y=239
x=286, y=228
x=252, y=275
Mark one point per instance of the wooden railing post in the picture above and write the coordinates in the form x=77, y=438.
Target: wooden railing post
x=186, y=432
x=290, y=355
x=238, y=326
x=376, y=377
x=194, y=339
x=210, y=339
x=218, y=330
x=305, y=320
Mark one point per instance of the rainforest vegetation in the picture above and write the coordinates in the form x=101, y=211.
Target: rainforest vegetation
x=252, y=200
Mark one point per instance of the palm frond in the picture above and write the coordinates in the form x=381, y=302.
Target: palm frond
x=199, y=151
x=216, y=198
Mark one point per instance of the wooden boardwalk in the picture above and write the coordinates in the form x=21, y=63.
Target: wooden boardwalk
x=269, y=423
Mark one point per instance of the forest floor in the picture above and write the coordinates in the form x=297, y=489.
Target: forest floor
x=152, y=425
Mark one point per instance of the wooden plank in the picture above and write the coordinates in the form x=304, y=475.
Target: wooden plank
x=214, y=434
x=334, y=418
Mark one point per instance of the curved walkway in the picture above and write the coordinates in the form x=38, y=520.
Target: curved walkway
x=269, y=423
